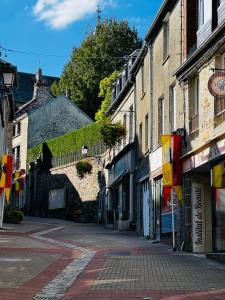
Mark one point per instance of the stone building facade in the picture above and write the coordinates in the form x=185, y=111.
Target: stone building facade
x=203, y=160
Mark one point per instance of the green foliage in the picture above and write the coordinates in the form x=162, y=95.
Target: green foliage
x=70, y=142
x=113, y=134
x=98, y=56
x=83, y=167
x=106, y=93
x=13, y=216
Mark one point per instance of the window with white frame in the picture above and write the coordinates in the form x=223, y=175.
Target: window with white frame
x=124, y=77
x=16, y=129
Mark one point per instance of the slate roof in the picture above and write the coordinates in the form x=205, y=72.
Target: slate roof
x=24, y=92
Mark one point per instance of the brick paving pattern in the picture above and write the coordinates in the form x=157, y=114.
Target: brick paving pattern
x=53, y=259
x=180, y=272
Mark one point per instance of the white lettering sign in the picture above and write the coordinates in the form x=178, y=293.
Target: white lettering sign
x=198, y=218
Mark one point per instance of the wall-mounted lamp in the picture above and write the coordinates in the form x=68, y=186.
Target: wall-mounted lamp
x=84, y=151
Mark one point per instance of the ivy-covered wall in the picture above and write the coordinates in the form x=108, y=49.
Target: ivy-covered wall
x=70, y=142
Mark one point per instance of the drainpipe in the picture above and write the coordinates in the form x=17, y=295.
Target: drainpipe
x=151, y=199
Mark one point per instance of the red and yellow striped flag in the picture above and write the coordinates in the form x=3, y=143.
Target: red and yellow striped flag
x=8, y=180
x=167, y=160
x=3, y=173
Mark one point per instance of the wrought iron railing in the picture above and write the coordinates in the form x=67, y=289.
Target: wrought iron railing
x=93, y=151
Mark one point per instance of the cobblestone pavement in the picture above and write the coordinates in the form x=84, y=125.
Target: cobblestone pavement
x=54, y=259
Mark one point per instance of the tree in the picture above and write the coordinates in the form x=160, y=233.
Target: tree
x=106, y=93
x=98, y=56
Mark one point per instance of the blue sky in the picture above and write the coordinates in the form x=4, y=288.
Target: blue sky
x=54, y=27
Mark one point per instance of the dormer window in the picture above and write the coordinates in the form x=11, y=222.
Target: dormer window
x=113, y=93
x=129, y=65
x=124, y=77
x=201, y=16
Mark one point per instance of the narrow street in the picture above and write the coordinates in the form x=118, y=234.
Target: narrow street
x=55, y=259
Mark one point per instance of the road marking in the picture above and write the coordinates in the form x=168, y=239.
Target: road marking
x=14, y=259
x=56, y=288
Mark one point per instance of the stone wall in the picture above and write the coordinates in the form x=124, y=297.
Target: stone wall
x=88, y=187
x=80, y=194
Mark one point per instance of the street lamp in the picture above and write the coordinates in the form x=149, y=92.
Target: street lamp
x=84, y=150
x=8, y=75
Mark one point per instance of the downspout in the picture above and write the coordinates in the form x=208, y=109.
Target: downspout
x=151, y=73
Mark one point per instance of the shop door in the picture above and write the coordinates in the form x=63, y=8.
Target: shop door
x=146, y=208
x=157, y=207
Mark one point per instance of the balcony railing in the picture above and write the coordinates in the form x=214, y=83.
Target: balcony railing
x=194, y=123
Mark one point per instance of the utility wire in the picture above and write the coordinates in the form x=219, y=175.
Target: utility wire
x=67, y=56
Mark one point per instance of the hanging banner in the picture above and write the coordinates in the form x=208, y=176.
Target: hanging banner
x=17, y=184
x=176, y=154
x=217, y=176
x=3, y=173
x=21, y=180
x=8, y=181
x=167, y=160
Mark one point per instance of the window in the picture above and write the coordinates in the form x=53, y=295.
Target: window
x=131, y=123
x=173, y=110
x=143, y=79
x=197, y=96
x=124, y=77
x=125, y=125
x=16, y=155
x=223, y=61
x=201, y=17
x=160, y=117
x=146, y=133
x=16, y=129
x=114, y=94
x=140, y=137
x=165, y=40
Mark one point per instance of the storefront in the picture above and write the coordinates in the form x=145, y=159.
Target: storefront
x=120, y=200
x=162, y=210
x=206, y=171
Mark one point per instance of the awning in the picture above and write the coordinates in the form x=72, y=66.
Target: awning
x=118, y=178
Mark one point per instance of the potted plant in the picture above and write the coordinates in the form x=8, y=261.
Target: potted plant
x=83, y=167
x=123, y=223
x=113, y=133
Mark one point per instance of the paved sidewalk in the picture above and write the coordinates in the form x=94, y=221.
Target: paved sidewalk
x=55, y=259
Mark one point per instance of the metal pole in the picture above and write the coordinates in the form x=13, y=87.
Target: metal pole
x=2, y=210
x=173, y=223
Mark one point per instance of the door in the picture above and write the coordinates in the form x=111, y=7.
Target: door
x=146, y=208
x=157, y=207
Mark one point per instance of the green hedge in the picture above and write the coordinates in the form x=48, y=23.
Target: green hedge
x=70, y=142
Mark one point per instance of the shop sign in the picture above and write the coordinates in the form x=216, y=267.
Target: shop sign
x=216, y=85
x=198, y=218
x=209, y=153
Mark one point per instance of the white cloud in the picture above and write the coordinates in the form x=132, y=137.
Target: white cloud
x=60, y=13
